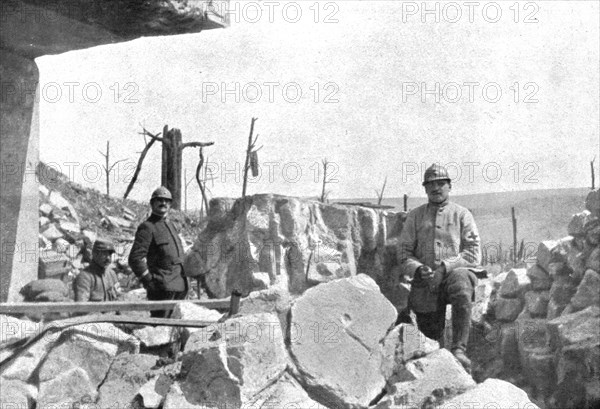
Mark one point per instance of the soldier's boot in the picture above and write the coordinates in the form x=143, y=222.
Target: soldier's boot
x=461, y=327
x=461, y=357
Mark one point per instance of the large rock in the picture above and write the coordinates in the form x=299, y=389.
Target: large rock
x=240, y=359
x=492, y=393
x=516, y=283
x=275, y=300
x=128, y=372
x=508, y=309
x=581, y=326
x=588, y=291
x=336, y=343
x=191, y=311
x=577, y=224
x=563, y=288
x=547, y=253
x=67, y=389
x=402, y=344
x=297, y=242
x=593, y=261
x=536, y=303
x=156, y=336
x=424, y=380
x=540, y=279
x=285, y=393
x=16, y=394
x=578, y=375
x=592, y=202
x=14, y=329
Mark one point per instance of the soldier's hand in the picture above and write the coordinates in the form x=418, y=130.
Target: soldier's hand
x=147, y=282
x=425, y=272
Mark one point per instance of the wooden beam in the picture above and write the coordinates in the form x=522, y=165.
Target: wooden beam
x=86, y=307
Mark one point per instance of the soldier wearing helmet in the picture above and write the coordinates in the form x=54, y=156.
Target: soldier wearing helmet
x=98, y=281
x=156, y=256
x=439, y=250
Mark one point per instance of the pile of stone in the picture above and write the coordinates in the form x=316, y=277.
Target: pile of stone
x=65, y=242
x=335, y=346
x=550, y=315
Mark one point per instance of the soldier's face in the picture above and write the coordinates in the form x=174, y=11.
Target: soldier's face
x=438, y=190
x=160, y=206
x=102, y=257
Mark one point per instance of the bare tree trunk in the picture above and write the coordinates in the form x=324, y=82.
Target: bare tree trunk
x=138, y=168
x=248, y=152
x=323, y=195
x=405, y=202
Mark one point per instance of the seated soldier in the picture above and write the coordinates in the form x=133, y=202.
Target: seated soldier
x=98, y=281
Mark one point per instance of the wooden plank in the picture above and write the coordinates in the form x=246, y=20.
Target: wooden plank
x=80, y=307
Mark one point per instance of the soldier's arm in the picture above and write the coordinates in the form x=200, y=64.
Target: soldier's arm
x=470, y=245
x=407, y=245
x=82, y=287
x=139, y=250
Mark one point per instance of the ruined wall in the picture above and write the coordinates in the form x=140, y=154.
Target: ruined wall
x=266, y=239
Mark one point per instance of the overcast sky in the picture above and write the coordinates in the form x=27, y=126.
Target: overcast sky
x=507, y=96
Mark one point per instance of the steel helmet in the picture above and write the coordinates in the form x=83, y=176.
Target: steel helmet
x=161, y=192
x=435, y=172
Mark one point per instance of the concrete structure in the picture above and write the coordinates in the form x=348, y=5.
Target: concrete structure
x=32, y=28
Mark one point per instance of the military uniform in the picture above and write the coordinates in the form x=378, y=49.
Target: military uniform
x=441, y=235
x=158, y=249
x=95, y=283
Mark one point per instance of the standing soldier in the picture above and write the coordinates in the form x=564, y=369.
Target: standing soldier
x=156, y=256
x=98, y=281
x=439, y=245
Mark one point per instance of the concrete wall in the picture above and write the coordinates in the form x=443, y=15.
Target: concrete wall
x=18, y=158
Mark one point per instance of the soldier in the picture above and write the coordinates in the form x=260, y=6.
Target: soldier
x=439, y=245
x=98, y=281
x=156, y=256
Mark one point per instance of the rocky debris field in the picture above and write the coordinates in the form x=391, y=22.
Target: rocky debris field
x=339, y=347
x=318, y=325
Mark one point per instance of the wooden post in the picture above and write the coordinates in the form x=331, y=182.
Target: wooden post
x=165, y=156
x=593, y=175
x=107, y=169
x=405, y=202
x=514, y=225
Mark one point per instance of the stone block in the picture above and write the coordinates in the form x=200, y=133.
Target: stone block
x=516, y=283
x=52, y=233
x=403, y=343
x=337, y=329
x=540, y=279
x=563, y=288
x=52, y=264
x=544, y=254
x=508, y=309
x=57, y=200
x=45, y=209
x=492, y=393
x=536, y=303
x=581, y=326
x=241, y=358
x=127, y=373
x=578, y=221
x=592, y=202
x=588, y=291
x=593, y=260
x=437, y=375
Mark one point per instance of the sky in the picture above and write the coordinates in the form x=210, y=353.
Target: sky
x=505, y=94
